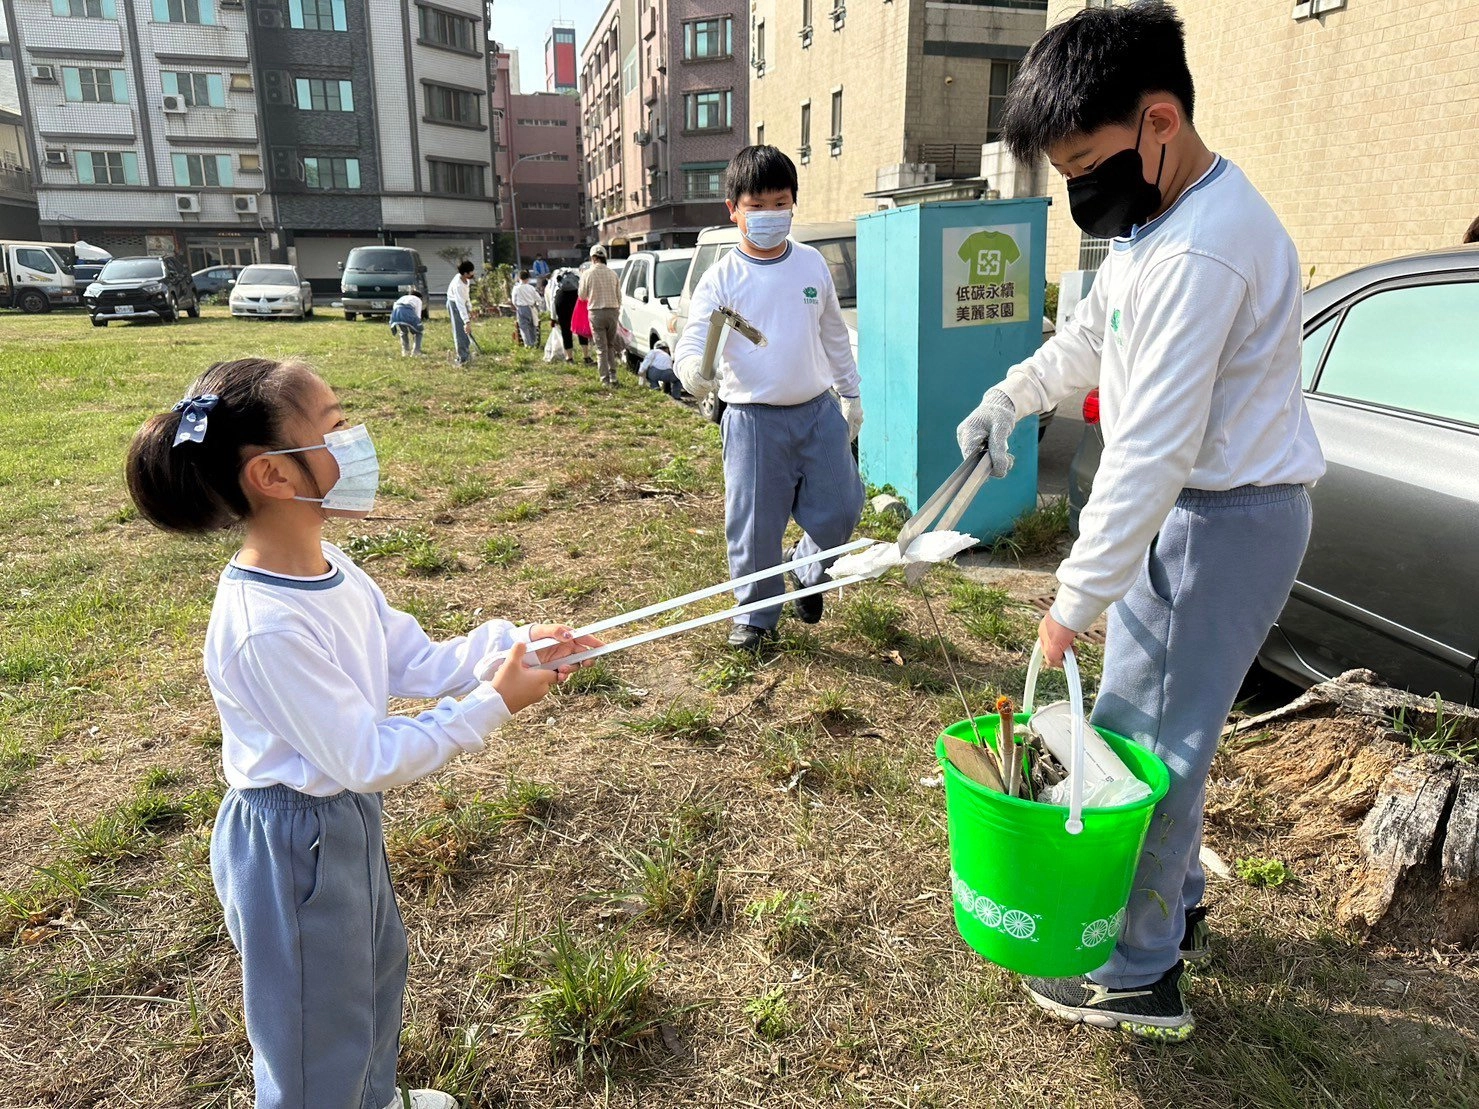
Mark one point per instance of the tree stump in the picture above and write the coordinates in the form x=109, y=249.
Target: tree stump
x=1410, y=818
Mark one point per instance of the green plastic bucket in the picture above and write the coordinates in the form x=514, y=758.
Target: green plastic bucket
x=1031, y=894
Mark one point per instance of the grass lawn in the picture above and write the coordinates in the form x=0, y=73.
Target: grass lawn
x=685, y=880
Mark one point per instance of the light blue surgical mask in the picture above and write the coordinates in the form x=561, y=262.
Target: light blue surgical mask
x=767, y=230
x=359, y=469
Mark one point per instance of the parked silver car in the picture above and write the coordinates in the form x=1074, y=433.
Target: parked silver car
x=1391, y=376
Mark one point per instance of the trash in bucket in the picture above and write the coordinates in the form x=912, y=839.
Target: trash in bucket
x=1041, y=889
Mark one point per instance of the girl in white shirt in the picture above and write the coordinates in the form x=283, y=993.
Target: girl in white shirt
x=302, y=654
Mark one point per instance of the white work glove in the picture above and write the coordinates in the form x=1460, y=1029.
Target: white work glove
x=852, y=412
x=690, y=373
x=989, y=427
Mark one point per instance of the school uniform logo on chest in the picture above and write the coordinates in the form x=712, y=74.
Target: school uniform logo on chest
x=1117, y=328
x=809, y=294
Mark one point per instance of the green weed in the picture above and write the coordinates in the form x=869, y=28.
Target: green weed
x=674, y=884
x=367, y=548
x=1263, y=872
x=1036, y=533
x=426, y=560
x=434, y=852
x=875, y=620
x=730, y=671
x=771, y=1015
x=502, y=550
x=789, y=922
x=680, y=721
x=1439, y=733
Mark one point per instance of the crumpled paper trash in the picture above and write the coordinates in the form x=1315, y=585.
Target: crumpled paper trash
x=932, y=546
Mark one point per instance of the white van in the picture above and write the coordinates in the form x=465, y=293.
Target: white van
x=34, y=278
x=651, y=284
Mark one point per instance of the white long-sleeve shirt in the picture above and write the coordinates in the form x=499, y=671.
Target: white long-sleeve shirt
x=1192, y=332
x=525, y=295
x=457, y=294
x=302, y=670
x=793, y=301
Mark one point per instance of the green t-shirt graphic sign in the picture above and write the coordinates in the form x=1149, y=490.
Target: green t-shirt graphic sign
x=985, y=279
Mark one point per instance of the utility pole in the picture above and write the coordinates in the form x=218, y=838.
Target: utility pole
x=513, y=199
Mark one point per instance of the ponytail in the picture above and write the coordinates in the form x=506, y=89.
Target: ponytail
x=184, y=466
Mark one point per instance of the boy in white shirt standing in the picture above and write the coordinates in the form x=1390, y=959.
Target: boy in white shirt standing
x=1200, y=513
x=459, y=308
x=526, y=300
x=786, y=438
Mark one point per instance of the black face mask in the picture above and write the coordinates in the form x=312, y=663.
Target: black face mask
x=1114, y=197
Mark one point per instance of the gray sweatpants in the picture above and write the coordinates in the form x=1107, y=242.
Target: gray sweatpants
x=528, y=326
x=459, y=333
x=306, y=889
x=1179, y=644
x=780, y=463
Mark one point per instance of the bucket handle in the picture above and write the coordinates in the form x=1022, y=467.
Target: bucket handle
x=1074, y=824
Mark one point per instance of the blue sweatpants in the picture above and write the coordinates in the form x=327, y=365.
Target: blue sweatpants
x=306, y=889
x=459, y=333
x=779, y=463
x=1179, y=644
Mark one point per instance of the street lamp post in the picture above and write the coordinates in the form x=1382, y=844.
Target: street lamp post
x=513, y=199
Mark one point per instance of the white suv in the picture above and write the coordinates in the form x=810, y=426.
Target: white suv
x=651, y=283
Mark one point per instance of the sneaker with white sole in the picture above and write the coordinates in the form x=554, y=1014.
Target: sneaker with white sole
x=423, y=1099
x=1196, y=940
x=1155, y=1012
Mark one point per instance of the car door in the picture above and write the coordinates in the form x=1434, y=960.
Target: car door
x=1389, y=581
x=633, y=278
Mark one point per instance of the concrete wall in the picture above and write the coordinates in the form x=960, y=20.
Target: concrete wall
x=1360, y=127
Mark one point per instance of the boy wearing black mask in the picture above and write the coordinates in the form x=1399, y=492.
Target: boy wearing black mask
x=1199, y=514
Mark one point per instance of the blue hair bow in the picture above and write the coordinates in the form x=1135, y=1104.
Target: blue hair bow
x=194, y=412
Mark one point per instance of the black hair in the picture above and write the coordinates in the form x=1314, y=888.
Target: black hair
x=759, y=169
x=1092, y=71
x=195, y=488
x=523, y=275
x=1472, y=234
x=465, y=266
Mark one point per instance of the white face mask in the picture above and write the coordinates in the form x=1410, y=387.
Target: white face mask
x=359, y=470
x=767, y=230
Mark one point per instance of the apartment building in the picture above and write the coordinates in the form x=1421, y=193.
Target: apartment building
x=1356, y=121
x=666, y=81
x=143, y=125
x=376, y=123
x=546, y=145
x=559, y=58
x=285, y=129
x=871, y=96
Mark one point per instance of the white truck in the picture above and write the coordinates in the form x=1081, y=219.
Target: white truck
x=34, y=278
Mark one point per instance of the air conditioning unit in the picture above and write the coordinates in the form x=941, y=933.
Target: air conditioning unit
x=175, y=105
x=232, y=3
x=269, y=17
x=642, y=138
x=56, y=157
x=277, y=87
x=187, y=202
x=43, y=73
x=245, y=203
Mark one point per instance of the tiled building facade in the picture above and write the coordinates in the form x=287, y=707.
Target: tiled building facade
x=680, y=93
x=863, y=94
x=241, y=130
x=1360, y=125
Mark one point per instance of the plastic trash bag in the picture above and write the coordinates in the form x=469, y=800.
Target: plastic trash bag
x=932, y=546
x=555, y=347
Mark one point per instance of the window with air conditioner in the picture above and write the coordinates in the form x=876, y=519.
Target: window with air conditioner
x=185, y=11
x=196, y=90
x=805, y=24
x=317, y=15
x=56, y=157
x=250, y=163
x=241, y=82
x=331, y=173
x=43, y=74
x=85, y=85
x=316, y=94
x=245, y=203
x=202, y=170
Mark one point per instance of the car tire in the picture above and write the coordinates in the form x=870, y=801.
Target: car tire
x=33, y=302
x=99, y=323
x=194, y=310
x=349, y=316
x=633, y=362
x=308, y=311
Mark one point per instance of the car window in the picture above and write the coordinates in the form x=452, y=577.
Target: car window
x=670, y=275
x=704, y=258
x=132, y=269
x=1412, y=348
x=374, y=259
x=842, y=260
x=1314, y=346
x=266, y=275
x=629, y=279
x=35, y=258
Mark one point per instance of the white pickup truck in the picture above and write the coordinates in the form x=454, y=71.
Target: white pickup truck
x=34, y=278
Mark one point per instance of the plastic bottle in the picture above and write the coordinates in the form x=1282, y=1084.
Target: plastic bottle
x=1107, y=780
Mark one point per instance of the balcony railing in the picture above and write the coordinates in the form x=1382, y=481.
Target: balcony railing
x=17, y=182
